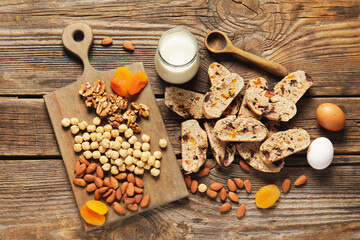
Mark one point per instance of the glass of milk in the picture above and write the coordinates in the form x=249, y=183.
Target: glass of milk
x=177, y=58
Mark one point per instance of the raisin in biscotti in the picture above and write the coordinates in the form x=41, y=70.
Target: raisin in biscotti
x=223, y=151
x=294, y=86
x=185, y=103
x=194, y=146
x=221, y=95
x=233, y=129
x=270, y=105
x=250, y=152
x=283, y=144
x=244, y=109
x=217, y=72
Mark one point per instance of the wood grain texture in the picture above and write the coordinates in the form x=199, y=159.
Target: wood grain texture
x=66, y=102
x=325, y=207
x=37, y=138
x=320, y=37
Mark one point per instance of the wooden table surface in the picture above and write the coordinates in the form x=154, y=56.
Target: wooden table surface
x=319, y=37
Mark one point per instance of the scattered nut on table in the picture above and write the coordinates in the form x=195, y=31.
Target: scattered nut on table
x=65, y=122
x=163, y=143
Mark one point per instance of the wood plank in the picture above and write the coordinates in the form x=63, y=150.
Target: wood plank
x=318, y=37
x=41, y=205
x=25, y=128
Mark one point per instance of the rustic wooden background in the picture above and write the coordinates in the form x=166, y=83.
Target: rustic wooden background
x=320, y=37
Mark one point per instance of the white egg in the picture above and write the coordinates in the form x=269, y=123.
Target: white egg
x=320, y=153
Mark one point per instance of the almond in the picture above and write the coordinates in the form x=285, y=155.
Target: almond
x=231, y=185
x=216, y=186
x=107, y=182
x=106, y=41
x=225, y=207
x=139, y=182
x=244, y=165
x=132, y=207
x=128, y=46
x=211, y=193
x=97, y=195
x=188, y=181
x=145, y=201
x=91, y=168
x=89, y=178
x=239, y=182
x=82, y=159
x=114, y=183
x=118, y=194
x=300, y=180
x=79, y=182
x=118, y=208
x=80, y=170
x=123, y=197
x=247, y=185
x=91, y=187
x=99, y=172
x=241, y=211
x=131, y=178
x=194, y=186
x=138, y=198
x=222, y=194
x=103, y=189
x=108, y=192
x=98, y=182
x=121, y=176
x=233, y=197
x=286, y=185
x=77, y=165
x=130, y=190
x=124, y=187
x=129, y=201
x=203, y=172
x=138, y=190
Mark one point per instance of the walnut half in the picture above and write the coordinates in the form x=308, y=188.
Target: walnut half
x=86, y=90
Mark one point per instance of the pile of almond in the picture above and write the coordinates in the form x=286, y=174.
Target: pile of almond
x=130, y=192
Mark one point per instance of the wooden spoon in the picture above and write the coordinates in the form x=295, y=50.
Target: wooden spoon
x=218, y=42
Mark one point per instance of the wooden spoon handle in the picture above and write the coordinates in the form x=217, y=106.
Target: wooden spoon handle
x=77, y=38
x=268, y=65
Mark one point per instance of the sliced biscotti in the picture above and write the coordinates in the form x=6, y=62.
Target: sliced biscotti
x=185, y=103
x=221, y=95
x=234, y=106
x=244, y=109
x=233, y=129
x=194, y=146
x=217, y=72
x=283, y=144
x=223, y=151
x=250, y=152
x=294, y=86
x=269, y=105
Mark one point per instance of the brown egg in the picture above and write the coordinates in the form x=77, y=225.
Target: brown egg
x=330, y=116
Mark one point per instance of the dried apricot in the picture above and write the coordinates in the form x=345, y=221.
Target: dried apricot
x=92, y=217
x=137, y=82
x=97, y=206
x=120, y=80
x=267, y=196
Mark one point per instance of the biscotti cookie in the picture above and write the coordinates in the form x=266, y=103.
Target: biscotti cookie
x=233, y=129
x=294, y=86
x=283, y=144
x=223, y=151
x=194, y=146
x=244, y=109
x=250, y=152
x=221, y=95
x=269, y=105
x=217, y=72
x=185, y=103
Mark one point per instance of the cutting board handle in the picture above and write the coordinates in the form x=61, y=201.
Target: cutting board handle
x=77, y=38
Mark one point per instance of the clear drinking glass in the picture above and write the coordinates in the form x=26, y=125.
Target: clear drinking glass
x=177, y=58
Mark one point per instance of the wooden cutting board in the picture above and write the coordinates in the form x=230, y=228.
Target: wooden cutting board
x=66, y=102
